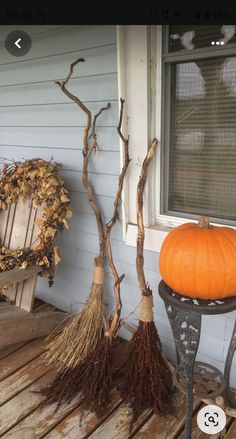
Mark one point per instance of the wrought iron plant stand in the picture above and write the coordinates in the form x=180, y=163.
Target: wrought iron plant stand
x=192, y=377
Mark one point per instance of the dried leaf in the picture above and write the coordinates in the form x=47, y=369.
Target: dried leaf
x=40, y=180
x=50, y=232
x=57, y=255
x=68, y=212
x=65, y=223
x=64, y=198
x=44, y=261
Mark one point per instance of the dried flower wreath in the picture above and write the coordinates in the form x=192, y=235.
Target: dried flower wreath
x=42, y=181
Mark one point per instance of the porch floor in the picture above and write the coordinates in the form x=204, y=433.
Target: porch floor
x=21, y=372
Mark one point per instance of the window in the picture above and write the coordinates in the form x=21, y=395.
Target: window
x=179, y=83
x=198, y=155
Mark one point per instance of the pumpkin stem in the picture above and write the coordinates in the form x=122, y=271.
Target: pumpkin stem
x=204, y=222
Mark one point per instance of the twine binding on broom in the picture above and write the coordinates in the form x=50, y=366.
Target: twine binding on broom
x=146, y=306
x=98, y=276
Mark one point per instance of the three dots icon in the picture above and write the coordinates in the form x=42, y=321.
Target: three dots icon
x=217, y=43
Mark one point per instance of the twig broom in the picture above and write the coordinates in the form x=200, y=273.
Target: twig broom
x=69, y=348
x=96, y=385
x=81, y=352
x=146, y=375
x=93, y=377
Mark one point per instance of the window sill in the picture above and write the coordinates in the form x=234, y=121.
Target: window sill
x=154, y=237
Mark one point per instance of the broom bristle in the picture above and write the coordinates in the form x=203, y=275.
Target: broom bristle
x=97, y=378
x=63, y=388
x=92, y=379
x=69, y=348
x=145, y=374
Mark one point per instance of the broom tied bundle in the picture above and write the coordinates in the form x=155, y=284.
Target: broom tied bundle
x=145, y=375
x=81, y=351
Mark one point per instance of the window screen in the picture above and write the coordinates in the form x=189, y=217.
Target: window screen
x=199, y=163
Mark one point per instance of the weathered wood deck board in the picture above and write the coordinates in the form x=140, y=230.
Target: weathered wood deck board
x=28, y=325
x=231, y=434
x=79, y=424
x=22, y=404
x=7, y=350
x=22, y=378
x=159, y=427
x=22, y=372
x=117, y=425
x=20, y=357
x=40, y=421
x=43, y=419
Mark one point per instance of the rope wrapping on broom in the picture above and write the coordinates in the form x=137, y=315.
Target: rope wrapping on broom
x=146, y=306
x=98, y=276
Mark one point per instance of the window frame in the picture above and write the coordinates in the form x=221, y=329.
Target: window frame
x=140, y=83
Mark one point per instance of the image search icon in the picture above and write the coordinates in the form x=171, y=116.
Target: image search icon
x=211, y=419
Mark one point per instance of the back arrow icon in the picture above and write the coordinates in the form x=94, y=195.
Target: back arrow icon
x=17, y=43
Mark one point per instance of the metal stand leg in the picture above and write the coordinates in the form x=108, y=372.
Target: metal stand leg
x=228, y=364
x=186, y=331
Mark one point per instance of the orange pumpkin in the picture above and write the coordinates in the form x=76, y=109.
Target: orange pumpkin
x=199, y=260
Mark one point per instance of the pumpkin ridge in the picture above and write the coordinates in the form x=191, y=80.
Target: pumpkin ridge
x=168, y=271
x=195, y=273
x=185, y=240
x=191, y=238
x=227, y=236
x=225, y=232
x=222, y=252
x=209, y=263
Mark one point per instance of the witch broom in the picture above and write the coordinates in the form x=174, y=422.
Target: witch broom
x=97, y=379
x=82, y=351
x=146, y=376
x=70, y=347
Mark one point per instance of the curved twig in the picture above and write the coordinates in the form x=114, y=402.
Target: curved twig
x=145, y=289
x=86, y=152
x=95, y=146
x=109, y=226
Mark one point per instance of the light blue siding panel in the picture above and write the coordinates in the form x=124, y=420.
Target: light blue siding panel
x=215, y=325
x=71, y=255
x=211, y=346
x=103, y=184
x=79, y=201
x=89, y=242
x=122, y=253
x=97, y=62
x=61, y=137
x=72, y=161
x=130, y=294
x=83, y=222
x=88, y=89
x=30, y=29
x=67, y=114
x=60, y=40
